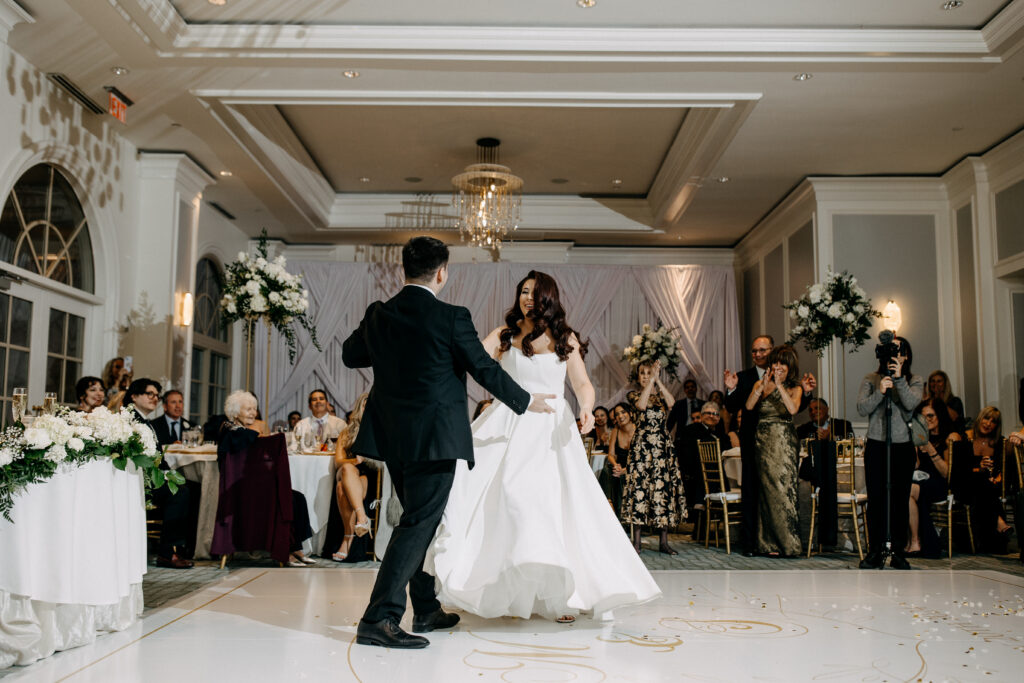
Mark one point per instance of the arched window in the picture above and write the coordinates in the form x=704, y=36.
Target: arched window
x=211, y=345
x=43, y=229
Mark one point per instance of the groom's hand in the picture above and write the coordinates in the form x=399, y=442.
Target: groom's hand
x=539, y=404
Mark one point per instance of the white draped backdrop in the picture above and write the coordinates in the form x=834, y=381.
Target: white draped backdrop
x=605, y=304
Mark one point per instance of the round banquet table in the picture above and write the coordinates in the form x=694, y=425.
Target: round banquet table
x=312, y=475
x=72, y=562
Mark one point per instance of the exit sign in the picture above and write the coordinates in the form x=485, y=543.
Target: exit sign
x=118, y=104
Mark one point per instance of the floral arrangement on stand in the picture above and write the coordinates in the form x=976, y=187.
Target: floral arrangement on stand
x=652, y=345
x=69, y=439
x=834, y=309
x=258, y=288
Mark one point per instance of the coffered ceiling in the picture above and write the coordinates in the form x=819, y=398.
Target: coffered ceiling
x=691, y=104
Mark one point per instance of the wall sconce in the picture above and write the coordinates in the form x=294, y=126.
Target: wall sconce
x=186, y=309
x=891, y=317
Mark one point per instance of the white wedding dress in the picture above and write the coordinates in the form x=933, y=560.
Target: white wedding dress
x=528, y=529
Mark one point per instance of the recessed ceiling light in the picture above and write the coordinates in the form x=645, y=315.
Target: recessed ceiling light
x=118, y=70
x=723, y=179
x=953, y=4
x=586, y=4
x=350, y=74
x=226, y=174
x=559, y=181
x=364, y=179
x=803, y=77
x=414, y=179
x=219, y=3
x=957, y=129
x=617, y=182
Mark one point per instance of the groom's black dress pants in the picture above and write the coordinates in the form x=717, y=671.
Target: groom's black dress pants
x=423, y=489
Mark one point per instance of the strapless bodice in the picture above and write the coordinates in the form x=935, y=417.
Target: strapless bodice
x=539, y=373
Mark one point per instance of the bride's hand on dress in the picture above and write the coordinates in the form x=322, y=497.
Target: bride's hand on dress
x=539, y=404
x=586, y=421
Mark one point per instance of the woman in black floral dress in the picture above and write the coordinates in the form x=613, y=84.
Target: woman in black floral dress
x=653, y=493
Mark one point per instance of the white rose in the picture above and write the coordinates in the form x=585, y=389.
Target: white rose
x=56, y=453
x=815, y=294
x=7, y=456
x=275, y=298
x=835, y=310
x=803, y=311
x=859, y=292
x=261, y=262
x=637, y=339
x=859, y=308
x=36, y=438
x=258, y=304
x=242, y=256
x=646, y=327
x=798, y=329
x=252, y=287
x=849, y=317
x=232, y=308
x=76, y=444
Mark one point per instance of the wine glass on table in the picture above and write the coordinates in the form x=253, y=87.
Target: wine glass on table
x=50, y=403
x=19, y=401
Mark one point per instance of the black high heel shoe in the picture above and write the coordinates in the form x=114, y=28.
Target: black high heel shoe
x=666, y=550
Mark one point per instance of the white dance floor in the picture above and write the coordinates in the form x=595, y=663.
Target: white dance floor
x=292, y=625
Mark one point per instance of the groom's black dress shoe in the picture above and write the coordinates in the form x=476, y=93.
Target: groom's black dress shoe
x=438, y=619
x=388, y=633
x=873, y=560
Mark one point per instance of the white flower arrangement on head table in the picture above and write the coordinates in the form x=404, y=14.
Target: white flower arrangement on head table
x=835, y=308
x=651, y=345
x=256, y=287
x=31, y=455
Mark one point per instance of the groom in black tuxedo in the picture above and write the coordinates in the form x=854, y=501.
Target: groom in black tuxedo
x=417, y=421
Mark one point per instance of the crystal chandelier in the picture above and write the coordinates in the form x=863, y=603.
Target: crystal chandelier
x=487, y=198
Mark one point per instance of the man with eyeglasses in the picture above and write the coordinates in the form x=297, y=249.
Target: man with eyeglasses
x=706, y=428
x=738, y=386
x=141, y=399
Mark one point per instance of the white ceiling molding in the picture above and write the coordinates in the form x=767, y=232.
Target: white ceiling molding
x=787, y=217
x=12, y=14
x=880, y=195
x=1004, y=35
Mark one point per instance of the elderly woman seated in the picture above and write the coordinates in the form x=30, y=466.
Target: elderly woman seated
x=352, y=477
x=241, y=429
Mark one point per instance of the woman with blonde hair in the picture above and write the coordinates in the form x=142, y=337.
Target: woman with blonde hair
x=938, y=387
x=351, y=481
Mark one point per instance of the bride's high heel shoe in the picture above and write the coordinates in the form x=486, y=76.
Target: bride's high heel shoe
x=340, y=556
x=363, y=529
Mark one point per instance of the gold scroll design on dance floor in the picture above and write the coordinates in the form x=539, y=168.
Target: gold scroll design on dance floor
x=655, y=643
x=526, y=660
x=735, y=627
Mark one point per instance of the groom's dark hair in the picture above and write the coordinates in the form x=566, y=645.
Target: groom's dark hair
x=422, y=256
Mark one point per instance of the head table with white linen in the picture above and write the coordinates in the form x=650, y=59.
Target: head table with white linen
x=71, y=564
x=312, y=475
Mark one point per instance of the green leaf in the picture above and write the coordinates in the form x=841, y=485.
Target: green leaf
x=158, y=478
x=120, y=463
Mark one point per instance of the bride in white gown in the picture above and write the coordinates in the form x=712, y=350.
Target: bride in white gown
x=528, y=529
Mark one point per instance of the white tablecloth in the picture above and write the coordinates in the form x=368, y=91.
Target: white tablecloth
x=311, y=475
x=71, y=564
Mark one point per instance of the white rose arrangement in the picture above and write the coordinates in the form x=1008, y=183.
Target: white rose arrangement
x=256, y=287
x=652, y=345
x=834, y=309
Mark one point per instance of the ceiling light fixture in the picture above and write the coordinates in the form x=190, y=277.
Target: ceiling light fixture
x=586, y=4
x=723, y=179
x=118, y=70
x=219, y=3
x=364, y=179
x=350, y=74
x=226, y=174
x=617, y=183
x=953, y=4
x=803, y=77
x=487, y=198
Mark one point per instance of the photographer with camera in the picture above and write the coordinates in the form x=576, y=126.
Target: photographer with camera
x=888, y=398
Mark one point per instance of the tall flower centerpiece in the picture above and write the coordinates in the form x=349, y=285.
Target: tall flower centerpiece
x=836, y=309
x=53, y=443
x=652, y=345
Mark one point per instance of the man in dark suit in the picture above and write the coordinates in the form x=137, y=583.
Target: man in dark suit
x=705, y=429
x=686, y=410
x=417, y=421
x=171, y=425
x=821, y=426
x=141, y=399
x=738, y=387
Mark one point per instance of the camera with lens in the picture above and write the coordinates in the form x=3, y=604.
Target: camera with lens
x=886, y=351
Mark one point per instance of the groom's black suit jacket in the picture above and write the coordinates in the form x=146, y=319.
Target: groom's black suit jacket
x=421, y=350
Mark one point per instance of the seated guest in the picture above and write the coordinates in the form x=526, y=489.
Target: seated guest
x=171, y=425
x=686, y=410
x=293, y=419
x=938, y=387
x=327, y=427
x=116, y=377
x=90, y=393
x=351, y=474
x=734, y=434
x=141, y=399
x=480, y=407
x=821, y=426
x=929, y=481
x=601, y=433
x=979, y=461
x=689, y=454
x=611, y=477
x=241, y=409
x=718, y=397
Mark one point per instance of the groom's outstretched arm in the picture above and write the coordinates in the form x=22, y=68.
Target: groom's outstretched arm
x=355, y=352
x=470, y=353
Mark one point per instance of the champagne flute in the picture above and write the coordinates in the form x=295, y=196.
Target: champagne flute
x=19, y=401
x=50, y=403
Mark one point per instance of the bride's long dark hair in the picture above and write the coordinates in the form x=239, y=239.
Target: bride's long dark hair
x=547, y=316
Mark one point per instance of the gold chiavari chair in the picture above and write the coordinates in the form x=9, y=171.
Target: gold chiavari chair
x=716, y=498
x=848, y=500
x=952, y=511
